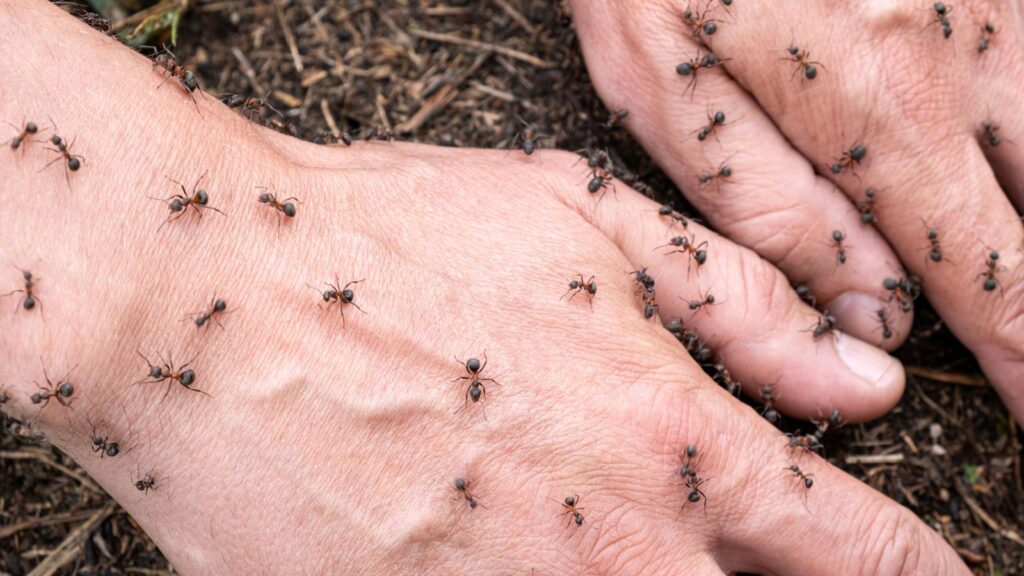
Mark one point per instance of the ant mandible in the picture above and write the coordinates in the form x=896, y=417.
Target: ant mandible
x=217, y=306
x=72, y=162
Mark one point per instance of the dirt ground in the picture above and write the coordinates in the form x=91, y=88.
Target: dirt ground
x=460, y=73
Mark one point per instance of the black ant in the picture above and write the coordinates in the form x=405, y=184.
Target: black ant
x=674, y=216
x=182, y=375
x=904, y=290
x=342, y=295
x=986, y=35
x=600, y=179
x=101, y=446
x=578, y=285
x=690, y=340
x=528, y=140
x=179, y=204
x=805, y=294
x=476, y=390
x=883, y=319
x=72, y=162
x=616, y=118
x=644, y=281
x=30, y=300
x=186, y=79
x=249, y=106
x=699, y=21
x=688, y=471
x=572, y=508
x=62, y=390
x=285, y=206
x=934, y=250
x=693, y=66
x=768, y=398
x=713, y=122
x=596, y=159
x=835, y=419
x=991, y=267
x=867, y=207
x=806, y=479
x=723, y=171
x=217, y=306
x=145, y=484
x=942, y=12
x=724, y=377
x=802, y=59
x=462, y=486
x=807, y=442
x=854, y=156
x=24, y=132
x=988, y=134
x=838, y=236
x=688, y=246
x=703, y=302
x=825, y=325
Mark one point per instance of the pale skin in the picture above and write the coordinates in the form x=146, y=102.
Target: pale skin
x=323, y=447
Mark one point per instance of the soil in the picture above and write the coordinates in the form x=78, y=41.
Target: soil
x=463, y=73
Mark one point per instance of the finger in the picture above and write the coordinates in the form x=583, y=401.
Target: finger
x=773, y=202
x=756, y=323
x=922, y=156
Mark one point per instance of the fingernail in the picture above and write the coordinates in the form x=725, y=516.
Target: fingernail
x=869, y=363
x=856, y=314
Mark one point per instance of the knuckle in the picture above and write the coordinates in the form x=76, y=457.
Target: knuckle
x=894, y=542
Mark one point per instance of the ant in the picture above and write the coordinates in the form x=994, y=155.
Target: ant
x=250, y=106
x=650, y=307
x=688, y=471
x=807, y=442
x=616, y=118
x=688, y=246
x=343, y=295
x=855, y=155
x=147, y=483
x=572, y=508
x=867, y=207
x=986, y=35
x=802, y=59
x=835, y=419
x=61, y=391
x=644, y=281
x=673, y=216
x=171, y=69
x=934, y=250
x=883, y=319
x=182, y=375
x=826, y=324
x=101, y=446
x=713, y=122
x=700, y=22
x=806, y=479
x=476, y=390
x=285, y=206
x=599, y=180
x=724, y=377
x=462, y=486
x=30, y=300
x=179, y=204
x=804, y=292
x=988, y=134
x=904, y=291
x=942, y=12
x=72, y=162
x=527, y=139
x=692, y=67
x=768, y=398
x=723, y=171
x=837, y=242
x=24, y=132
x=991, y=267
x=580, y=285
x=703, y=302
x=217, y=306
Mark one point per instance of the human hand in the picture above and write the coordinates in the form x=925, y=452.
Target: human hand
x=887, y=79
x=329, y=443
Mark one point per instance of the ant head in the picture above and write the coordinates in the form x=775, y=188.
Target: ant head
x=156, y=371
x=264, y=198
x=347, y=295
x=890, y=284
x=200, y=321
x=37, y=398
x=112, y=449
x=570, y=500
x=220, y=305
x=684, y=69
x=29, y=303
x=328, y=294
x=460, y=484
x=176, y=205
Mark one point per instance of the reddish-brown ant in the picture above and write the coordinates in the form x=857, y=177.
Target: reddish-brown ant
x=61, y=390
x=285, y=206
x=723, y=171
x=476, y=390
x=179, y=204
x=883, y=319
x=806, y=442
x=724, y=377
x=703, y=302
x=700, y=23
x=942, y=12
x=988, y=134
x=28, y=129
x=674, y=216
x=825, y=325
x=462, y=486
x=578, y=285
x=802, y=59
x=683, y=245
x=100, y=444
x=217, y=306
x=934, y=248
x=991, y=268
x=849, y=158
x=904, y=290
x=650, y=307
x=342, y=295
x=146, y=483
x=838, y=236
x=867, y=207
x=30, y=300
x=688, y=471
x=644, y=281
x=806, y=479
x=170, y=68
x=693, y=66
x=714, y=121
x=167, y=372
x=986, y=36
x=572, y=509
x=768, y=398
x=72, y=162
x=250, y=107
